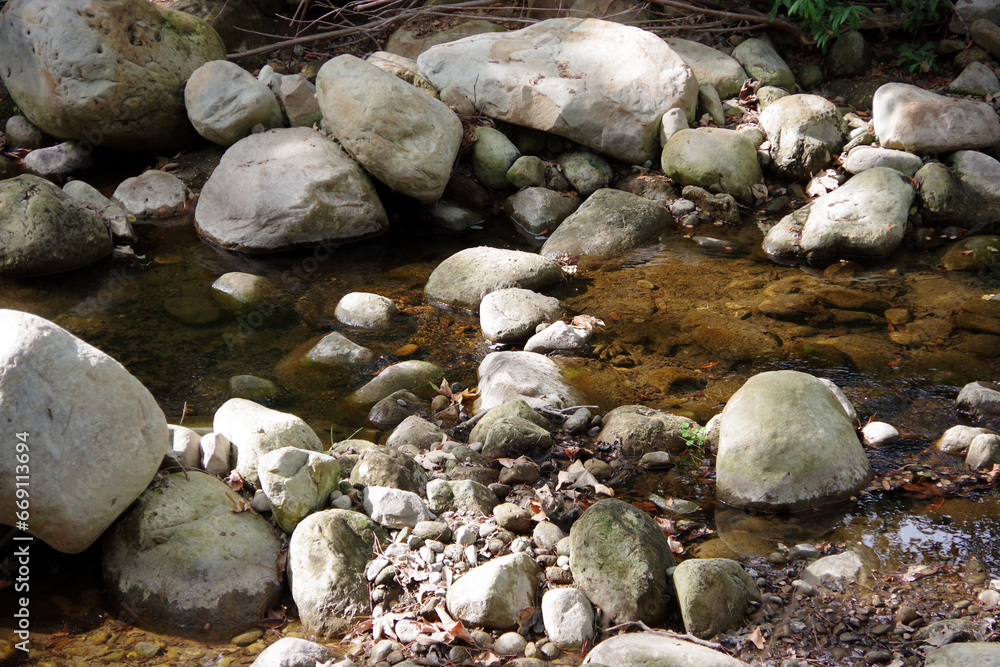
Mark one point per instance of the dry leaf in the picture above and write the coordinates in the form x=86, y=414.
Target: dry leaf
x=578, y=477
x=757, y=638
x=240, y=504
x=234, y=480
x=759, y=192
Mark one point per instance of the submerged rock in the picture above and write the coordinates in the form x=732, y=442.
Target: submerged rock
x=786, y=444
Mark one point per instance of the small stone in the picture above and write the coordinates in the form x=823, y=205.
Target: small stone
x=149, y=649
x=510, y=643
x=989, y=599
x=244, y=639
x=465, y=536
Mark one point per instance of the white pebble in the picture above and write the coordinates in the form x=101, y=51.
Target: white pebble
x=465, y=536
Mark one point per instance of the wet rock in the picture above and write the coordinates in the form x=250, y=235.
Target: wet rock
x=21, y=133
x=492, y=595
x=865, y=217
x=971, y=254
x=876, y=434
x=180, y=559
x=59, y=161
x=395, y=508
x=365, y=310
x=381, y=466
x=45, y=230
x=805, y=134
x=461, y=495
x=113, y=215
x=619, y=559
x=285, y=189
x=713, y=594
x=297, y=482
x=850, y=55
x=979, y=173
x=571, y=55
x=466, y=277
x=130, y=94
x=608, y=223
x=957, y=439
x=154, y=194
x=866, y=157
x=224, y=102
x=687, y=158
x=763, y=63
x=253, y=387
x=786, y=444
x=493, y=155
x=298, y=98
x=512, y=437
x=243, y=293
x=710, y=66
x=416, y=432
x=920, y=121
x=587, y=172
x=402, y=136
x=639, y=429
x=255, y=430
x=410, y=375
x=979, y=398
x=855, y=566
x=393, y=410
x=506, y=376
x=729, y=338
x=119, y=434
x=327, y=556
x=294, y=652
x=448, y=216
x=511, y=315
x=976, y=79
x=942, y=195
x=721, y=206
x=639, y=649
x=559, y=337
x=984, y=451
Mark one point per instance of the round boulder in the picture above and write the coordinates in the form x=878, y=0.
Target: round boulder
x=110, y=72
x=785, y=443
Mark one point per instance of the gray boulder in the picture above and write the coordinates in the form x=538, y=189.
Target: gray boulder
x=560, y=337
x=286, y=189
x=920, y=121
x=59, y=161
x=527, y=171
x=639, y=430
x=181, y=559
x=298, y=98
x=968, y=12
x=713, y=594
x=21, y=133
x=463, y=279
x=804, y=133
x=958, y=439
x=785, y=443
x=511, y=315
x=943, y=197
x=401, y=135
x=568, y=617
x=416, y=432
x=296, y=482
x=864, y=217
x=43, y=230
x=94, y=450
x=153, y=194
x=493, y=595
x=516, y=408
x=587, y=172
x=391, y=468
x=395, y=508
x=115, y=69
x=610, y=222
x=862, y=158
x=979, y=398
x=513, y=437
x=540, y=210
x=493, y=155
x=406, y=375
x=646, y=649
x=979, y=173
x=224, y=102
x=690, y=157
x=578, y=61
x=850, y=55
x=463, y=495
x=294, y=652
x=365, y=310
x=857, y=565
x=327, y=556
x=255, y=430
x=763, y=63
x=113, y=215
x=984, y=451
x=619, y=558
x=505, y=376
x=976, y=79
x=710, y=66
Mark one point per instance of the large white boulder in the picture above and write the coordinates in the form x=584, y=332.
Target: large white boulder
x=602, y=84
x=285, y=189
x=110, y=72
x=224, y=102
x=92, y=440
x=920, y=121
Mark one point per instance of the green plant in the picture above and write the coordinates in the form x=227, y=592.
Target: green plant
x=694, y=435
x=914, y=58
x=821, y=19
x=919, y=12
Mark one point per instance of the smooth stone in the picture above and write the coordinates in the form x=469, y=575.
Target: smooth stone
x=587, y=172
x=395, y=508
x=645, y=649
x=294, y=652
x=365, y=310
x=539, y=210
x=866, y=157
x=21, y=133
x=711, y=67
x=57, y=162
x=511, y=315
x=154, y=194
x=976, y=79
x=957, y=439
x=297, y=482
x=850, y=55
x=979, y=173
x=805, y=134
x=113, y=215
x=688, y=159
x=493, y=155
x=942, y=196
x=224, y=102
x=713, y=594
x=920, y=121
x=409, y=375
x=492, y=595
x=244, y=293
x=762, y=62
x=505, y=376
x=298, y=98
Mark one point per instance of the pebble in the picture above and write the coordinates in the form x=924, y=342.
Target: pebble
x=510, y=643
x=245, y=639
x=989, y=598
x=878, y=656
x=803, y=552
x=149, y=649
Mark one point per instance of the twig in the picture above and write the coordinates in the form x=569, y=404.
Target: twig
x=733, y=16
x=667, y=633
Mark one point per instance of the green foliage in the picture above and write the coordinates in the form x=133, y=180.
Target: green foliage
x=918, y=58
x=821, y=19
x=693, y=435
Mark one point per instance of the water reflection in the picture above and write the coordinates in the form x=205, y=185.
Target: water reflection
x=750, y=533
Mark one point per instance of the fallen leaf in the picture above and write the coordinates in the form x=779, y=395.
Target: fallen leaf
x=756, y=638
x=234, y=480
x=405, y=350
x=578, y=477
